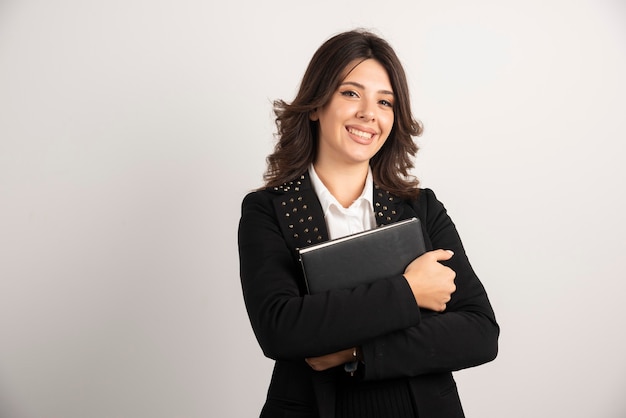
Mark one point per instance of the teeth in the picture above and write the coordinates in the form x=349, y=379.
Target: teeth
x=360, y=133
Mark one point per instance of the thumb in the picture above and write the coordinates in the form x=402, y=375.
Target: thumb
x=443, y=255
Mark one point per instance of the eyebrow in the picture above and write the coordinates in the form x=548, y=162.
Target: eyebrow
x=362, y=87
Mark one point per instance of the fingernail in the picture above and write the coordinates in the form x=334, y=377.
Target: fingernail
x=451, y=252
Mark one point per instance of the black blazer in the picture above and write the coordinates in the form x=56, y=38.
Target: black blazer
x=398, y=339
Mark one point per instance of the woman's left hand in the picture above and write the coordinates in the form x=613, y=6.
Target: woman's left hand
x=330, y=360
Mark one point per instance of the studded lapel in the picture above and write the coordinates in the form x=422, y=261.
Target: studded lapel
x=301, y=217
x=299, y=213
x=387, y=207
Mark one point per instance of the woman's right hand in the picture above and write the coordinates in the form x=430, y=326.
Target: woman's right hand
x=432, y=283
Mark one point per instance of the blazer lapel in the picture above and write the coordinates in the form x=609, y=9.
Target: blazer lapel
x=301, y=217
x=299, y=213
x=387, y=207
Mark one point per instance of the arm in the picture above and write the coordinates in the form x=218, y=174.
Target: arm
x=432, y=284
x=464, y=335
x=291, y=325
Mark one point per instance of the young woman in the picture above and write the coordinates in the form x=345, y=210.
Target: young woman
x=341, y=165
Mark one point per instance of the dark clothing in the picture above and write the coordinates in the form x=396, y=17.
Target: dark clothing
x=399, y=341
x=390, y=398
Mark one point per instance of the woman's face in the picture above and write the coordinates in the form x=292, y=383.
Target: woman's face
x=357, y=120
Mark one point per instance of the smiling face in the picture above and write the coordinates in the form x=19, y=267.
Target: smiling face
x=357, y=120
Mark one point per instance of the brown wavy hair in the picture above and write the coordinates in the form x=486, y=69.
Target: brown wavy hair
x=297, y=135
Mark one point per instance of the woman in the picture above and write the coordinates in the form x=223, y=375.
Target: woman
x=341, y=165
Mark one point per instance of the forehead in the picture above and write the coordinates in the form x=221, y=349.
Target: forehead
x=367, y=72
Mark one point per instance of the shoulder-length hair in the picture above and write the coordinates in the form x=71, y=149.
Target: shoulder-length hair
x=298, y=135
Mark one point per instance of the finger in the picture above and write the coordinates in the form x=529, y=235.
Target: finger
x=442, y=255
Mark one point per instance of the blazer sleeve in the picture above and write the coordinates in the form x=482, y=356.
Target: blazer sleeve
x=464, y=335
x=289, y=324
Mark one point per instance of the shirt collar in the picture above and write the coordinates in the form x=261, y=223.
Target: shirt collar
x=327, y=200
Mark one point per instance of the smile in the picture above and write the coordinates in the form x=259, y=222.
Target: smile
x=365, y=135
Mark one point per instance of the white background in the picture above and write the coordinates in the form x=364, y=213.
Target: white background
x=131, y=130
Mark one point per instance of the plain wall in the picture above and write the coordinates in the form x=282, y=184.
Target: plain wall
x=131, y=130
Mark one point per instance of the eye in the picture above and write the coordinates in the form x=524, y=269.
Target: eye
x=386, y=103
x=349, y=93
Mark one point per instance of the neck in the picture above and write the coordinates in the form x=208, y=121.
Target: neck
x=345, y=183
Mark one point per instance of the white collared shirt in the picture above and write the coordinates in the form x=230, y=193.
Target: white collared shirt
x=345, y=221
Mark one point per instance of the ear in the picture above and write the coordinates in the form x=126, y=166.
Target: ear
x=314, y=116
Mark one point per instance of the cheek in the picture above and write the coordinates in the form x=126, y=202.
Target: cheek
x=389, y=123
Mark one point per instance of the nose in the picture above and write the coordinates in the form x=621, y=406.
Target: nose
x=365, y=114
x=365, y=109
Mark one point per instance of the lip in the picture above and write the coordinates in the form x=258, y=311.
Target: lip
x=361, y=139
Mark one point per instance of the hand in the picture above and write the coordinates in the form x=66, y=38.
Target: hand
x=330, y=360
x=432, y=283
